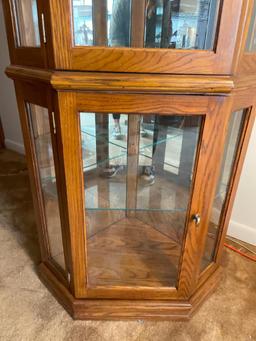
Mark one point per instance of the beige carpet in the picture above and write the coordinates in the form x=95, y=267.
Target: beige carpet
x=29, y=312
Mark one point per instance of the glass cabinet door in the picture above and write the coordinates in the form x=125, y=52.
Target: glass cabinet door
x=156, y=36
x=232, y=145
x=251, y=35
x=43, y=149
x=138, y=172
x=25, y=32
x=25, y=16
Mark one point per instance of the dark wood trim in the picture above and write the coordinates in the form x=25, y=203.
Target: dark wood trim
x=2, y=138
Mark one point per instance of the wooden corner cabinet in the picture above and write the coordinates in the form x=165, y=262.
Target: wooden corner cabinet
x=136, y=116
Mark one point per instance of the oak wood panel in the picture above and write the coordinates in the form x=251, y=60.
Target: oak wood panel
x=70, y=162
x=60, y=16
x=143, y=104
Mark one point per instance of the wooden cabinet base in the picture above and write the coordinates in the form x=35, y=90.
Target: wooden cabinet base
x=98, y=309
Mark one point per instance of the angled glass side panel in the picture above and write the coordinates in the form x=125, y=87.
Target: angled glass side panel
x=251, y=36
x=138, y=172
x=41, y=135
x=232, y=144
x=25, y=20
x=172, y=24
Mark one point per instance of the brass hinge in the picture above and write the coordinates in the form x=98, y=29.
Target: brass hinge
x=43, y=28
x=53, y=123
x=69, y=278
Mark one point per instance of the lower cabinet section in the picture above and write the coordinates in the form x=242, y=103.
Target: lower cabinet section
x=133, y=193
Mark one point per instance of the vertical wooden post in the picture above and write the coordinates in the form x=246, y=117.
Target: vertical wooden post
x=188, y=148
x=138, y=23
x=100, y=36
x=132, y=163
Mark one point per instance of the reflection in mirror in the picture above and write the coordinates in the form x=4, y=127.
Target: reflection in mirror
x=251, y=36
x=233, y=139
x=26, y=23
x=40, y=130
x=138, y=172
x=181, y=24
x=101, y=22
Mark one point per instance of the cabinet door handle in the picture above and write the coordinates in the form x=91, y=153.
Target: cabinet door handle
x=196, y=218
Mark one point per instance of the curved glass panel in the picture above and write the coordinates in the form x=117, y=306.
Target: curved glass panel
x=236, y=125
x=251, y=36
x=181, y=24
x=25, y=18
x=40, y=130
x=138, y=172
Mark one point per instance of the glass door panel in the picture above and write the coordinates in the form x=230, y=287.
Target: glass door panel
x=235, y=130
x=40, y=131
x=180, y=24
x=25, y=18
x=138, y=172
x=251, y=36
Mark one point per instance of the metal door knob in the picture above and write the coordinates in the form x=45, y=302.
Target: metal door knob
x=196, y=218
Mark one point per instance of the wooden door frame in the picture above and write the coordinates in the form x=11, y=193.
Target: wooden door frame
x=213, y=109
x=30, y=56
x=40, y=94
x=242, y=99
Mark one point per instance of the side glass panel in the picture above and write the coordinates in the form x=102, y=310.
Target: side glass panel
x=251, y=37
x=138, y=172
x=233, y=138
x=25, y=17
x=40, y=131
x=181, y=24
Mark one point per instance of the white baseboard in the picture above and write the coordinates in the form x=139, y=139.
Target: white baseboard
x=15, y=146
x=243, y=232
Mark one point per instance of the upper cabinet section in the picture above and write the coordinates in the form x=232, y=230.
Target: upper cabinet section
x=147, y=36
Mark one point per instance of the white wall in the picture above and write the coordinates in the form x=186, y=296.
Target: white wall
x=243, y=220
x=8, y=107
